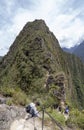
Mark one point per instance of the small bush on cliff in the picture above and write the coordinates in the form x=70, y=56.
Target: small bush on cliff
x=76, y=119
x=17, y=95
x=9, y=102
x=20, y=97
x=7, y=91
x=58, y=117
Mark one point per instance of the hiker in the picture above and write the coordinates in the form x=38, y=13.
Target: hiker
x=67, y=110
x=32, y=110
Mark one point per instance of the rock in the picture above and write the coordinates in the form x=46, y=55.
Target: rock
x=8, y=114
x=2, y=100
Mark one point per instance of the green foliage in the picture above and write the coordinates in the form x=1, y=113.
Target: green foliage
x=19, y=97
x=9, y=102
x=16, y=94
x=58, y=117
x=79, y=93
x=76, y=119
x=48, y=101
x=7, y=91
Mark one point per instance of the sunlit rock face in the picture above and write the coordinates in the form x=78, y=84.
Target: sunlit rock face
x=8, y=114
x=13, y=118
x=31, y=124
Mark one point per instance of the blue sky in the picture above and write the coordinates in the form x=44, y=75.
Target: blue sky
x=65, y=18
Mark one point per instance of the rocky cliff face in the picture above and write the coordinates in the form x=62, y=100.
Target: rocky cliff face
x=37, y=65
x=14, y=118
x=8, y=114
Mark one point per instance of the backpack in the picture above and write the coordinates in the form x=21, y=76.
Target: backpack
x=28, y=109
x=32, y=112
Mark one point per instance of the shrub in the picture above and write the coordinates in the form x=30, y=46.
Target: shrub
x=9, y=102
x=16, y=94
x=7, y=91
x=58, y=117
x=20, y=98
x=76, y=119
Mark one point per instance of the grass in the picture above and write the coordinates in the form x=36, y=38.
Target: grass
x=15, y=96
x=76, y=119
x=59, y=117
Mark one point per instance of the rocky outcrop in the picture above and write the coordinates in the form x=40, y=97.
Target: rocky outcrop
x=8, y=114
x=13, y=118
x=2, y=100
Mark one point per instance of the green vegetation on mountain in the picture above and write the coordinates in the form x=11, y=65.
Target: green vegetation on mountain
x=37, y=67
x=77, y=80
x=78, y=50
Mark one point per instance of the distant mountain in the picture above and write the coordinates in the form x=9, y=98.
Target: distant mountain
x=71, y=49
x=78, y=50
x=66, y=49
x=1, y=58
x=38, y=66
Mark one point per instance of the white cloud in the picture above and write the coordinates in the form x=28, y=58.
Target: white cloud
x=62, y=19
x=9, y=32
x=20, y=20
x=9, y=4
x=68, y=28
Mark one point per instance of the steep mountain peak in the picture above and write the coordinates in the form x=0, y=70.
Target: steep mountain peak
x=37, y=24
x=36, y=62
x=33, y=34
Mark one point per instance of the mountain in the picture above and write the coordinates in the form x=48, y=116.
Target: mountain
x=0, y=58
x=37, y=66
x=66, y=49
x=78, y=50
x=71, y=49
